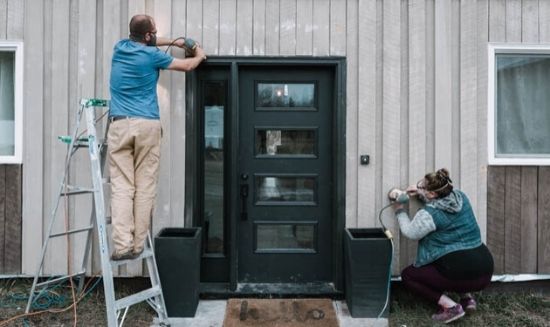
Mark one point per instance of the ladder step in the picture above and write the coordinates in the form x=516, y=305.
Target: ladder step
x=144, y=255
x=138, y=297
x=77, y=190
x=55, y=280
x=72, y=231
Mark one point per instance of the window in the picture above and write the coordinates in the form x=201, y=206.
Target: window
x=11, y=102
x=519, y=105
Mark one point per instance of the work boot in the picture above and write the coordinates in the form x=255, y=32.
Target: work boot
x=124, y=255
x=446, y=315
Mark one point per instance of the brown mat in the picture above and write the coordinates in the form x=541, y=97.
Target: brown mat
x=280, y=313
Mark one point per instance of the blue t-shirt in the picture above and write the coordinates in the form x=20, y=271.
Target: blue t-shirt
x=134, y=75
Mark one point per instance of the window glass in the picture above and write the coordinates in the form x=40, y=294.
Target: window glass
x=281, y=95
x=522, y=105
x=7, y=103
x=274, y=142
x=284, y=237
x=213, y=213
x=286, y=189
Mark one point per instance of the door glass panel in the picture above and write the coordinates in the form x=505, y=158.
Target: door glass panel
x=285, y=189
x=214, y=109
x=288, y=142
x=285, y=237
x=285, y=95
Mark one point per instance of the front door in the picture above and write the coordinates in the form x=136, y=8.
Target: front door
x=285, y=228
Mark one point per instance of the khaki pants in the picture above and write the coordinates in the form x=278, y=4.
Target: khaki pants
x=134, y=153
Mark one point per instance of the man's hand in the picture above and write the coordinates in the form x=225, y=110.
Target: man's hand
x=199, y=53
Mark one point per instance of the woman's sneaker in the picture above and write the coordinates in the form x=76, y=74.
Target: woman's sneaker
x=446, y=315
x=468, y=304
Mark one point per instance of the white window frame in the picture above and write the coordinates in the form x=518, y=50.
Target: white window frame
x=493, y=50
x=17, y=48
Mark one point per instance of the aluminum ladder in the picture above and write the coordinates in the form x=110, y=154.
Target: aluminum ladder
x=116, y=309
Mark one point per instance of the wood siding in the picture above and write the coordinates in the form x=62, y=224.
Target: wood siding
x=10, y=219
x=518, y=219
x=416, y=97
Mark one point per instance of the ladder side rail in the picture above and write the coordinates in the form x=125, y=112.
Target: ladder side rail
x=100, y=218
x=54, y=211
x=160, y=306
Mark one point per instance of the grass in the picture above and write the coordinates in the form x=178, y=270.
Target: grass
x=498, y=306
x=495, y=308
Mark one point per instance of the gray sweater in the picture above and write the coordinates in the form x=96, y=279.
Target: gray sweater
x=423, y=224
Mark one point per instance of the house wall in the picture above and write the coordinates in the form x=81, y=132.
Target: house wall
x=416, y=92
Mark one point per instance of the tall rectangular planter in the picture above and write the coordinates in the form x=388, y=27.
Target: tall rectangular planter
x=178, y=255
x=367, y=258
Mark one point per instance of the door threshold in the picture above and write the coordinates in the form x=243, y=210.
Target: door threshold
x=271, y=290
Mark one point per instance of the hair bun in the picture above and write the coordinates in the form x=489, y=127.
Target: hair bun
x=444, y=174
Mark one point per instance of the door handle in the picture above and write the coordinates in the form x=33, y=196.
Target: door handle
x=244, y=197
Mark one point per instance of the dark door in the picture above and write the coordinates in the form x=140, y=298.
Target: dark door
x=285, y=174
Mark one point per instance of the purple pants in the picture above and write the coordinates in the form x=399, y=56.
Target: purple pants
x=427, y=282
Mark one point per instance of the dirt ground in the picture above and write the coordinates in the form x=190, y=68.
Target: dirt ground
x=500, y=305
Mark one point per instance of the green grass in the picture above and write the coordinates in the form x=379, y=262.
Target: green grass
x=493, y=309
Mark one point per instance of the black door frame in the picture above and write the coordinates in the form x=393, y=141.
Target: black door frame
x=191, y=210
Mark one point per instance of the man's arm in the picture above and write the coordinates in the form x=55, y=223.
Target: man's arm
x=188, y=64
x=162, y=41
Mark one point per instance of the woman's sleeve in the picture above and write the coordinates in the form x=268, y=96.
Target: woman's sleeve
x=421, y=225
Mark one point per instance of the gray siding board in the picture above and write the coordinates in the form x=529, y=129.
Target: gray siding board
x=513, y=20
x=468, y=100
x=481, y=105
x=287, y=24
x=210, y=29
x=352, y=116
x=4, y=19
x=228, y=17
x=321, y=30
x=272, y=31
x=57, y=122
x=417, y=59
x=15, y=19
x=177, y=119
x=530, y=21
x=443, y=82
x=244, y=27
x=338, y=27
x=544, y=21
x=304, y=26
x=33, y=178
x=391, y=117
x=259, y=27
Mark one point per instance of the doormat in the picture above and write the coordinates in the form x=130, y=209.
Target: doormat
x=280, y=313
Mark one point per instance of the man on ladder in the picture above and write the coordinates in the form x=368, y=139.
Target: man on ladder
x=135, y=132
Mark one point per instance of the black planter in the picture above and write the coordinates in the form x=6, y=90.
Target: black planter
x=178, y=255
x=367, y=258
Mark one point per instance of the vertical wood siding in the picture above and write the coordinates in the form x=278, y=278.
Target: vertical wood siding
x=416, y=101
x=10, y=219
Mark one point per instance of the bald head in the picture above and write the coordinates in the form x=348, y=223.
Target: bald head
x=140, y=25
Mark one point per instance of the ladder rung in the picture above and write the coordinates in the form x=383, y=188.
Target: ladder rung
x=138, y=297
x=55, y=280
x=144, y=255
x=77, y=191
x=79, y=230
